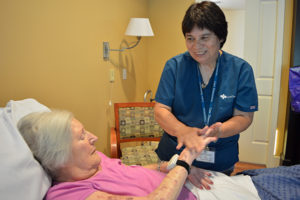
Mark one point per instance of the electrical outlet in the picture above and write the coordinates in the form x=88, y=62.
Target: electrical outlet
x=111, y=75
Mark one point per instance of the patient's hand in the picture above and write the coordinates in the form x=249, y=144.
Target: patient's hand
x=200, y=178
x=189, y=155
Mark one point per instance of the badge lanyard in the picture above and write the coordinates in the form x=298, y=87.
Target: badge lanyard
x=208, y=116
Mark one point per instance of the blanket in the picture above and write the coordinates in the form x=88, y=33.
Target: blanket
x=226, y=187
x=282, y=183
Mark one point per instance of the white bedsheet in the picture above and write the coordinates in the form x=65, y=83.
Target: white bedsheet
x=225, y=187
x=21, y=176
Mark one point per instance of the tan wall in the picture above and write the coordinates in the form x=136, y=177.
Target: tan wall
x=52, y=51
x=166, y=17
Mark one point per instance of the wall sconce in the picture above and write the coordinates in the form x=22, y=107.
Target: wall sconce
x=137, y=27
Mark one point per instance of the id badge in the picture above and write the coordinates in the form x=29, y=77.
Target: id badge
x=207, y=155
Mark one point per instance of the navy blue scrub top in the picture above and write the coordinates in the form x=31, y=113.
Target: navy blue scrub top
x=179, y=89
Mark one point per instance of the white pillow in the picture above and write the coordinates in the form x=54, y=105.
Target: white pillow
x=22, y=177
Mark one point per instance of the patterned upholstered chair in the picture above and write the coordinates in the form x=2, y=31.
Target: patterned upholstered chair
x=136, y=133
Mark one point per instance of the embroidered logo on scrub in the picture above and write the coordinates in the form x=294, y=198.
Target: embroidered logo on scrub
x=223, y=96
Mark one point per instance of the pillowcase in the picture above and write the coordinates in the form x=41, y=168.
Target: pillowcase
x=22, y=177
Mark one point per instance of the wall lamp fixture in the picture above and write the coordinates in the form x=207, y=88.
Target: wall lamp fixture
x=137, y=27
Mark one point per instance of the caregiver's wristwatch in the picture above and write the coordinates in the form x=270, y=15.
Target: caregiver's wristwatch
x=174, y=161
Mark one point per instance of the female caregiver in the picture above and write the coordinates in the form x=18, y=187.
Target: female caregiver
x=205, y=91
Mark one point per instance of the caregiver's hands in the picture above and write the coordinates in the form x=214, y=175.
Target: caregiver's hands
x=189, y=136
x=199, y=177
x=214, y=130
x=195, y=141
x=189, y=155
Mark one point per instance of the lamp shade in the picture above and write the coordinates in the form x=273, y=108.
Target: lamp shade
x=139, y=27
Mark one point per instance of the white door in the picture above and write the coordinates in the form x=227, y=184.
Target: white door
x=263, y=50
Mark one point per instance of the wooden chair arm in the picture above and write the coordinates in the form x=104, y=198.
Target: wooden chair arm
x=113, y=144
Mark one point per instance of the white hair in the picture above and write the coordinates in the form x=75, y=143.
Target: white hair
x=49, y=136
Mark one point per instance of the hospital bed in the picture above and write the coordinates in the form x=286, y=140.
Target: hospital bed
x=21, y=176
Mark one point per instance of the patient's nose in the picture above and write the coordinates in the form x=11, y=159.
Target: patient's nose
x=92, y=138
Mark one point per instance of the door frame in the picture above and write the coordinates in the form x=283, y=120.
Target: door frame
x=272, y=160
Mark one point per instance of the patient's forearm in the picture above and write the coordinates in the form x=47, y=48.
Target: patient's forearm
x=162, y=166
x=172, y=184
x=169, y=188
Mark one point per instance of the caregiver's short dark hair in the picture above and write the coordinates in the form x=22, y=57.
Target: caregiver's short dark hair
x=207, y=15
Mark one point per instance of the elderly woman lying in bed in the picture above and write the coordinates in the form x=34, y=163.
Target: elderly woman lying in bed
x=67, y=152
